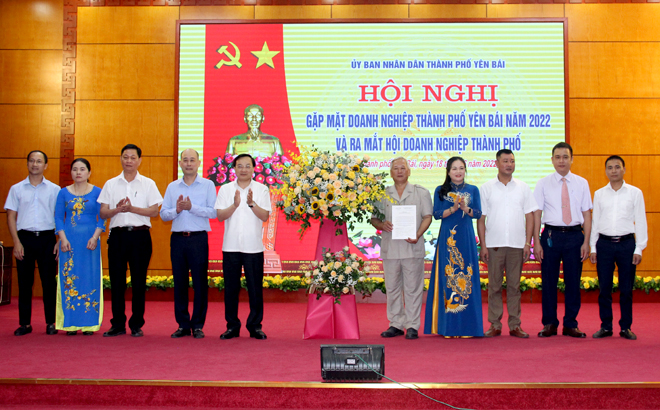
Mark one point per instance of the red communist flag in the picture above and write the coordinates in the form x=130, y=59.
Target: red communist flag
x=245, y=66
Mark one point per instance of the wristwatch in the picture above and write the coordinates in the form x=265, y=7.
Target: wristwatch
x=251, y=206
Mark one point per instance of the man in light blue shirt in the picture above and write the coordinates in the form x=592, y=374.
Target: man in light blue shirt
x=188, y=203
x=30, y=210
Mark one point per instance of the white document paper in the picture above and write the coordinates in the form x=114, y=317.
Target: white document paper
x=404, y=221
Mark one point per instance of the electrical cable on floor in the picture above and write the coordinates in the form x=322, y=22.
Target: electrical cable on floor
x=408, y=387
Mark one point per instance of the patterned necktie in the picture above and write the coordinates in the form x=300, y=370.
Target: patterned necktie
x=565, y=203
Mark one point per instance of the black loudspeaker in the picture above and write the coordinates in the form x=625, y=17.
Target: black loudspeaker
x=341, y=362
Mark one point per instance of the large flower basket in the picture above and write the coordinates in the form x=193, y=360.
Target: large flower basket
x=326, y=319
x=336, y=188
x=331, y=308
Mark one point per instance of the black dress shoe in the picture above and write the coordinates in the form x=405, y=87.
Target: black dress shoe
x=411, y=333
x=180, y=332
x=114, y=331
x=88, y=333
x=628, y=334
x=601, y=333
x=573, y=332
x=392, y=332
x=548, y=330
x=258, y=334
x=23, y=330
x=50, y=329
x=198, y=334
x=72, y=333
x=230, y=334
x=137, y=332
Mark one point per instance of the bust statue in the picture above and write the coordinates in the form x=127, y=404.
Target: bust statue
x=254, y=141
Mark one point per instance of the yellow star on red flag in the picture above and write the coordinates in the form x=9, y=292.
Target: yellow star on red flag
x=265, y=56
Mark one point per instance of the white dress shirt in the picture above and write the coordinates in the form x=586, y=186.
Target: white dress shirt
x=548, y=198
x=35, y=205
x=505, y=207
x=243, y=230
x=142, y=192
x=619, y=213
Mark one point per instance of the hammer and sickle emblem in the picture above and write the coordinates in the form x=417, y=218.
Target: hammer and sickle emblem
x=233, y=59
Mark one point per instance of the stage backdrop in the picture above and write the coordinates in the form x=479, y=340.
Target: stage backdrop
x=425, y=91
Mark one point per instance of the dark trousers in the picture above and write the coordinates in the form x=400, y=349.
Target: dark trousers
x=190, y=254
x=253, y=264
x=37, y=249
x=132, y=248
x=565, y=248
x=608, y=254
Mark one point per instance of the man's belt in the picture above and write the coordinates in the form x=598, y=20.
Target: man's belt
x=130, y=228
x=38, y=233
x=564, y=228
x=616, y=239
x=188, y=233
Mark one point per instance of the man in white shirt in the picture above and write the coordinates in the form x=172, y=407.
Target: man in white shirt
x=244, y=205
x=564, y=201
x=505, y=233
x=129, y=200
x=30, y=210
x=403, y=259
x=618, y=235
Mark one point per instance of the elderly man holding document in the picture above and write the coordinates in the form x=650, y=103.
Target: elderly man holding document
x=407, y=210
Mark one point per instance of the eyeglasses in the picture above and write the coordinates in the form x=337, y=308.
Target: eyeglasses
x=243, y=166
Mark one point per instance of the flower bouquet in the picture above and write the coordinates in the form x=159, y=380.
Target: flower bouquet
x=323, y=185
x=268, y=171
x=339, y=273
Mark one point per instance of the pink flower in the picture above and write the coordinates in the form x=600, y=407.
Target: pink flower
x=221, y=178
x=372, y=253
x=268, y=171
x=258, y=168
x=260, y=178
x=232, y=177
x=229, y=158
x=364, y=242
x=222, y=168
x=270, y=180
x=279, y=181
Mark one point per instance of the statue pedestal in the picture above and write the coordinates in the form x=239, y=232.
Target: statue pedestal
x=272, y=261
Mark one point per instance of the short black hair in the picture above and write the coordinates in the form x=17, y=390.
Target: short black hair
x=233, y=163
x=562, y=145
x=84, y=161
x=502, y=152
x=132, y=146
x=611, y=157
x=40, y=152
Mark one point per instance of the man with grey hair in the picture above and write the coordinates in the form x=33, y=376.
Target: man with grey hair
x=403, y=260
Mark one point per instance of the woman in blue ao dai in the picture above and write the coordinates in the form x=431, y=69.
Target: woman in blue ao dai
x=453, y=306
x=79, y=225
